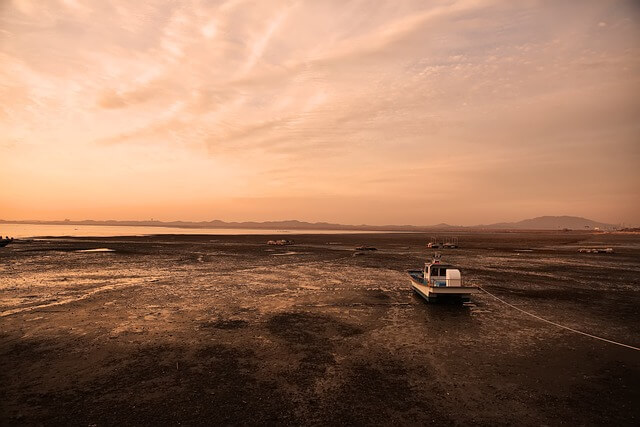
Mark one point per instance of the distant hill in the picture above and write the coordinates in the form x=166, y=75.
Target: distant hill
x=550, y=223
x=271, y=225
x=540, y=223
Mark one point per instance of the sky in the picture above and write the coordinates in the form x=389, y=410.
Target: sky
x=378, y=112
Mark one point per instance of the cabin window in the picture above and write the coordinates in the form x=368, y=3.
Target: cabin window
x=438, y=271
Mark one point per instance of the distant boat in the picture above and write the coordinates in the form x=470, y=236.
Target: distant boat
x=437, y=281
x=596, y=250
x=282, y=242
x=446, y=243
x=5, y=242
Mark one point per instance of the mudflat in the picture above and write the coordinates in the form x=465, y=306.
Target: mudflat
x=196, y=330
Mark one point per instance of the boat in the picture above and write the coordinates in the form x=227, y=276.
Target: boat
x=282, y=242
x=446, y=243
x=5, y=242
x=596, y=250
x=440, y=281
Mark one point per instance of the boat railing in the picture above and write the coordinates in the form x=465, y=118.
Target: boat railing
x=445, y=282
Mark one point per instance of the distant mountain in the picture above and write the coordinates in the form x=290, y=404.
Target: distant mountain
x=540, y=223
x=271, y=225
x=550, y=223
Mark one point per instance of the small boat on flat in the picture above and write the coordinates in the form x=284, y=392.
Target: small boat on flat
x=438, y=281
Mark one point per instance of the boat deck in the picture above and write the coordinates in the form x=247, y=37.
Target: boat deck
x=429, y=292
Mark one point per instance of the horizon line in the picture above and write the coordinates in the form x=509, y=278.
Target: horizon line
x=159, y=222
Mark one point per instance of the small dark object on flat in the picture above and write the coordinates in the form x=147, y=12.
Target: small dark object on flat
x=5, y=242
x=366, y=248
x=282, y=242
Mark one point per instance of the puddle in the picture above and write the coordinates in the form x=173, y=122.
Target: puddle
x=285, y=253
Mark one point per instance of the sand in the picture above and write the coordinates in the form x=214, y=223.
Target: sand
x=227, y=330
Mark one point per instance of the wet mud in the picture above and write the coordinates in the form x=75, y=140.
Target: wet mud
x=197, y=330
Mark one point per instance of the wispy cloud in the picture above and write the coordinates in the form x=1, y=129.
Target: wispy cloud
x=260, y=43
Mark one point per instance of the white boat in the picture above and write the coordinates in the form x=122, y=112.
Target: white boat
x=596, y=250
x=439, y=281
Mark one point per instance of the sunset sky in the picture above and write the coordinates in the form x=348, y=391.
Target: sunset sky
x=366, y=111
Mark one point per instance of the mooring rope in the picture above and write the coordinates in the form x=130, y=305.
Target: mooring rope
x=557, y=324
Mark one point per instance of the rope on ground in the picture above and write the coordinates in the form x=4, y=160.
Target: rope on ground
x=557, y=324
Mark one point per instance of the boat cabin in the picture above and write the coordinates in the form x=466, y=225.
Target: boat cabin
x=436, y=274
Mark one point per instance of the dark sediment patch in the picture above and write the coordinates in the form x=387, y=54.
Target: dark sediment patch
x=162, y=384
x=378, y=295
x=312, y=339
x=225, y=324
x=371, y=395
x=301, y=328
